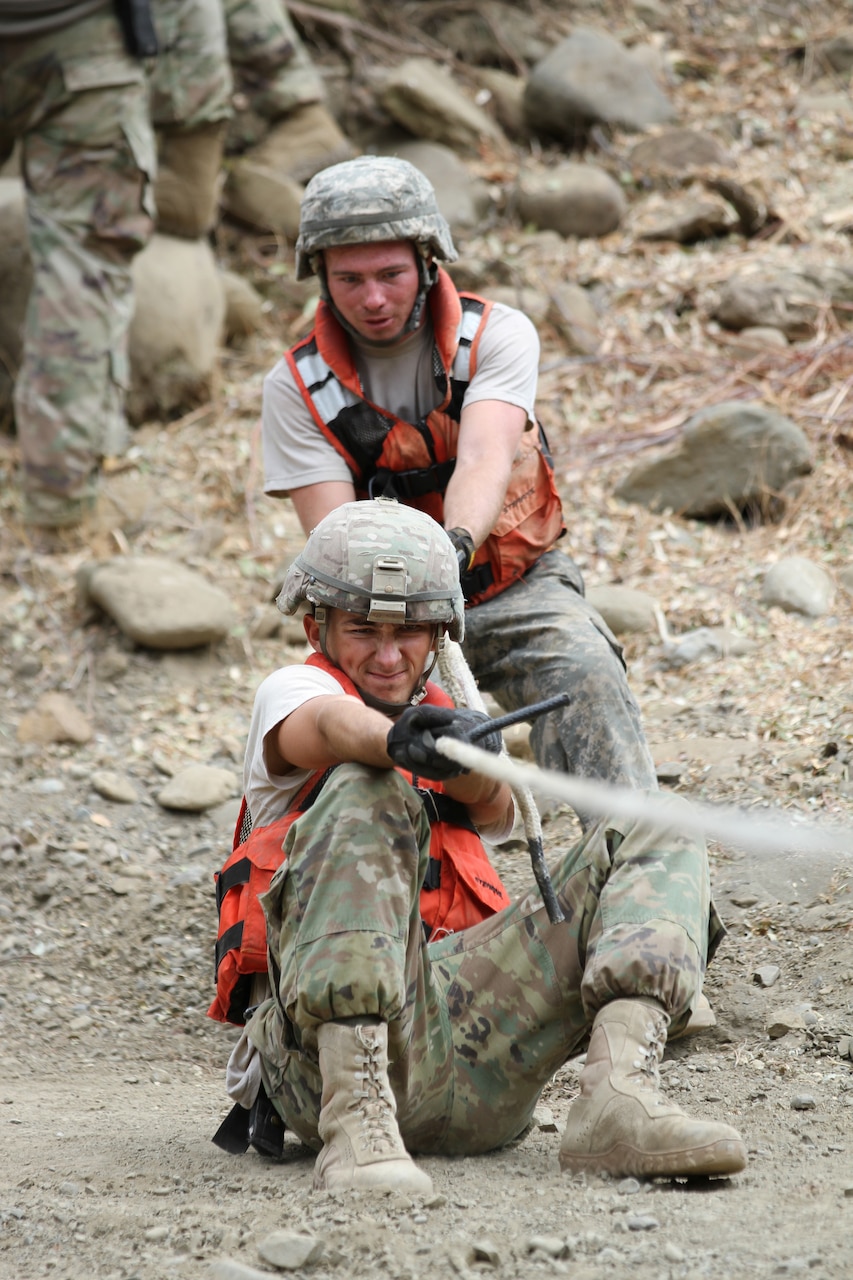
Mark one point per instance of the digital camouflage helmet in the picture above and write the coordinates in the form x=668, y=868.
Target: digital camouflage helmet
x=366, y=200
x=380, y=559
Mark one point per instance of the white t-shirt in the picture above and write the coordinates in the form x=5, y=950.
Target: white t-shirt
x=269, y=794
x=399, y=379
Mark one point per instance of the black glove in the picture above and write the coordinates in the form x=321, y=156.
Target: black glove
x=411, y=741
x=463, y=545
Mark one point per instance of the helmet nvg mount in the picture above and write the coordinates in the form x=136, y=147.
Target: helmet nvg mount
x=387, y=562
x=366, y=200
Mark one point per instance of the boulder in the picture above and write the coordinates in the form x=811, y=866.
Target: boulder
x=573, y=199
x=425, y=99
x=157, y=602
x=590, y=78
x=177, y=327
x=730, y=455
x=798, y=585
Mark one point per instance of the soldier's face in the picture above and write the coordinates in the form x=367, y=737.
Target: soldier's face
x=374, y=286
x=383, y=659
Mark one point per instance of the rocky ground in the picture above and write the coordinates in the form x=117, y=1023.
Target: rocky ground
x=111, y=1076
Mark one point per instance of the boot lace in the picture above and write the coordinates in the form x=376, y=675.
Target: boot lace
x=371, y=1101
x=649, y=1058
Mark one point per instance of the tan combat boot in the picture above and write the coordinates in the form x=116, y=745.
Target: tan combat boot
x=362, y=1147
x=620, y=1124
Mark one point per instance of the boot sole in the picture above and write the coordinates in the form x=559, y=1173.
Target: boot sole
x=716, y=1160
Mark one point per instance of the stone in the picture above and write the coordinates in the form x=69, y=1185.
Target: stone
x=244, y=307
x=766, y=975
x=591, y=78
x=159, y=603
x=683, y=220
x=798, y=585
x=199, y=787
x=55, y=719
x=424, y=98
x=176, y=329
x=289, y=1250
x=729, y=454
x=676, y=151
x=625, y=610
x=706, y=644
x=572, y=199
x=114, y=786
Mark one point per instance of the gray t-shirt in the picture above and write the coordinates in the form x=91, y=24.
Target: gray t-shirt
x=399, y=379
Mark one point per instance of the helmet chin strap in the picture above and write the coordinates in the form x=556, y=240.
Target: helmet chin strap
x=427, y=276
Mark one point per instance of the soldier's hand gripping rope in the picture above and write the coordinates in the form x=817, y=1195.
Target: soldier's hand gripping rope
x=413, y=744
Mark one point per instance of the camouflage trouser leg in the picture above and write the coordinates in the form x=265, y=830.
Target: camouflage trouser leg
x=478, y=1021
x=541, y=637
x=87, y=161
x=272, y=67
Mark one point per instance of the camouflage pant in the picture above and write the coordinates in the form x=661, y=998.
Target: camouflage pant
x=190, y=82
x=541, y=637
x=272, y=67
x=480, y=1020
x=79, y=105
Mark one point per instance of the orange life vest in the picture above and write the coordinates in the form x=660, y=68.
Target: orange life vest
x=461, y=886
x=414, y=462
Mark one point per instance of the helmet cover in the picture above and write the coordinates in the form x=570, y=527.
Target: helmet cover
x=378, y=558
x=366, y=200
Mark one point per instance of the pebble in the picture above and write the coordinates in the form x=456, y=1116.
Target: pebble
x=289, y=1250
x=228, y=1269
x=642, y=1222
x=803, y=1102
x=628, y=1187
x=553, y=1246
x=114, y=786
x=766, y=975
x=672, y=1253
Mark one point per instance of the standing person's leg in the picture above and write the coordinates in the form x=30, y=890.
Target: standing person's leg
x=542, y=637
x=88, y=160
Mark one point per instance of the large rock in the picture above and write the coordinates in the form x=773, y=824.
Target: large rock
x=573, y=199
x=177, y=327
x=423, y=97
x=730, y=455
x=676, y=151
x=16, y=277
x=798, y=585
x=590, y=78
x=793, y=301
x=159, y=603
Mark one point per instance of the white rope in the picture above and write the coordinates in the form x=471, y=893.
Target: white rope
x=459, y=682
x=734, y=826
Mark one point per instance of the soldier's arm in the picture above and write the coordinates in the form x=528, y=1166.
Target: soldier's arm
x=312, y=502
x=489, y=435
x=327, y=730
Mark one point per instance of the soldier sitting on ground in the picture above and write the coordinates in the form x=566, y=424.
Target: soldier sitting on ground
x=414, y=1008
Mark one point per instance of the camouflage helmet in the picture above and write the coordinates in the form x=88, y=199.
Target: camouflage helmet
x=381, y=559
x=366, y=200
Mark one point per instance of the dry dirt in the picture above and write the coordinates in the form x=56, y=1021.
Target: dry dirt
x=111, y=1077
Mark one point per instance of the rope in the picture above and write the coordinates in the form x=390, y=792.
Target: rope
x=458, y=680
x=727, y=823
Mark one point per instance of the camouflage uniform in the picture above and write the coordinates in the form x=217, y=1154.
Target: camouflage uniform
x=79, y=105
x=480, y=1020
x=191, y=79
